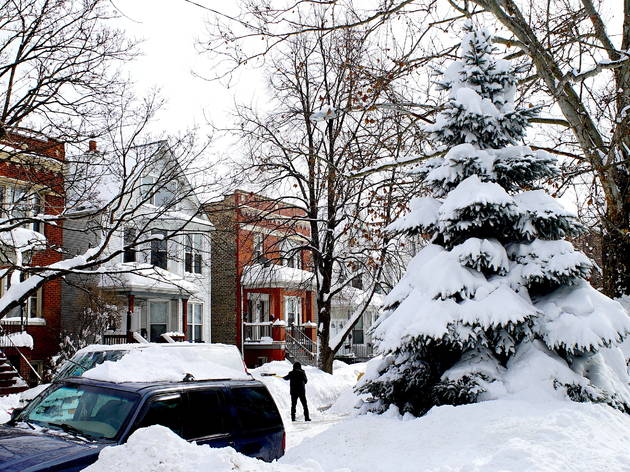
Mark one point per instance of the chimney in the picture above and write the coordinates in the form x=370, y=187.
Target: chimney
x=92, y=146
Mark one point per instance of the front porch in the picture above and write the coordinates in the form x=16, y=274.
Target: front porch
x=157, y=317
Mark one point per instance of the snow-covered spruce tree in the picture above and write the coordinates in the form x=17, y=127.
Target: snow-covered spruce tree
x=498, y=302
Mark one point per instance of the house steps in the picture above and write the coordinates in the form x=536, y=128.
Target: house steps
x=10, y=380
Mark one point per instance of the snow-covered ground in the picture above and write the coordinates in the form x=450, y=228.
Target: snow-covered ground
x=533, y=433
x=322, y=391
x=502, y=435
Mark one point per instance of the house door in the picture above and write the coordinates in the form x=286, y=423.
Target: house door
x=158, y=319
x=293, y=310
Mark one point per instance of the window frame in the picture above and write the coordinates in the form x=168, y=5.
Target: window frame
x=130, y=251
x=191, y=322
x=193, y=248
x=159, y=250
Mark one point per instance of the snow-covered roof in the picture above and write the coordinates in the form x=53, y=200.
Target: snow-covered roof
x=135, y=276
x=276, y=275
x=351, y=296
x=23, y=239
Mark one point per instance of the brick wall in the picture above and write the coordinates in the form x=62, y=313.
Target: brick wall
x=38, y=163
x=223, y=271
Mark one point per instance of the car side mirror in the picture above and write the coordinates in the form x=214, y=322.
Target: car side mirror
x=14, y=415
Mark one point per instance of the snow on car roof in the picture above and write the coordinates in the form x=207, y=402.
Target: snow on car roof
x=169, y=363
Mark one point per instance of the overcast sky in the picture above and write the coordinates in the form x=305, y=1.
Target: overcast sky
x=169, y=29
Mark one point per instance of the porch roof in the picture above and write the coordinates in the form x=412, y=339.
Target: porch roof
x=145, y=279
x=276, y=275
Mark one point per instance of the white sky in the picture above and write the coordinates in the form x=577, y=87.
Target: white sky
x=169, y=29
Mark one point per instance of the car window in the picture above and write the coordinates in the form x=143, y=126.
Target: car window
x=255, y=408
x=206, y=414
x=82, y=362
x=166, y=411
x=88, y=410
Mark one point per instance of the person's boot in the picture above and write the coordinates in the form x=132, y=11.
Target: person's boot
x=307, y=419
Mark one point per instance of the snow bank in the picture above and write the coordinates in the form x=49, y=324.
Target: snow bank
x=7, y=404
x=505, y=435
x=158, y=449
x=157, y=364
x=322, y=389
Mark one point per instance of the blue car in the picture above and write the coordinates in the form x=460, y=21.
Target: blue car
x=65, y=428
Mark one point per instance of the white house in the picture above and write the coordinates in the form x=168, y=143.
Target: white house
x=159, y=274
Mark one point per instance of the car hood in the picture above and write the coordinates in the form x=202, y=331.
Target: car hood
x=30, y=451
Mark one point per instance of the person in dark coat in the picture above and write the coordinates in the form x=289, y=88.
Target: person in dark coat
x=297, y=382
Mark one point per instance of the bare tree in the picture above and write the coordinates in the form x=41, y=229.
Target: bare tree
x=577, y=64
x=58, y=66
x=132, y=195
x=322, y=128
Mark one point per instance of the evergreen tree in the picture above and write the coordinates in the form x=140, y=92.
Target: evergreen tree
x=498, y=302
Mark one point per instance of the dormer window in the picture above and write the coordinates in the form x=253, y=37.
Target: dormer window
x=158, y=193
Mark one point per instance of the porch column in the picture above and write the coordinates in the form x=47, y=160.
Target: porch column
x=130, y=309
x=185, y=318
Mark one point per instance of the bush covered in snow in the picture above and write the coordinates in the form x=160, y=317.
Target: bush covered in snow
x=498, y=290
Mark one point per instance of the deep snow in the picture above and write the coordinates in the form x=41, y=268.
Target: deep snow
x=541, y=432
x=502, y=435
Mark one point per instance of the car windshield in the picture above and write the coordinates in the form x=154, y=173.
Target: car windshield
x=82, y=362
x=84, y=410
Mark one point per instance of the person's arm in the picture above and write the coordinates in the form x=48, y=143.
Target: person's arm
x=287, y=377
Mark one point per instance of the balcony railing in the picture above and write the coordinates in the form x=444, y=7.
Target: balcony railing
x=110, y=339
x=9, y=327
x=256, y=331
x=356, y=351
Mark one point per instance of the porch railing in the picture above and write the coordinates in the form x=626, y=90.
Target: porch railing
x=256, y=331
x=110, y=339
x=299, y=347
x=8, y=327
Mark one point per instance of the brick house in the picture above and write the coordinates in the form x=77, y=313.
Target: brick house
x=161, y=287
x=32, y=183
x=263, y=291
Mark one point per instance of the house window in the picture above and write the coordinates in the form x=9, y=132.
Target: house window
x=19, y=204
x=258, y=307
x=36, y=210
x=158, y=316
x=157, y=193
x=293, y=310
x=357, y=333
x=159, y=252
x=195, y=322
x=32, y=307
x=292, y=256
x=357, y=282
x=258, y=248
x=129, y=254
x=192, y=257
x=147, y=189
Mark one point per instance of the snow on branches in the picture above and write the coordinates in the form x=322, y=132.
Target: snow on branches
x=498, y=291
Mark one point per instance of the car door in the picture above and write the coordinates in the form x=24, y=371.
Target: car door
x=259, y=430
x=207, y=419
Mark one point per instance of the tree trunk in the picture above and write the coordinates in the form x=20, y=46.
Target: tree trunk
x=616, y=256
x=326, y=355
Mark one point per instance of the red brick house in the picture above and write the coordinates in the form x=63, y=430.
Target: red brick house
x=32, y=183
x=262, y=288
